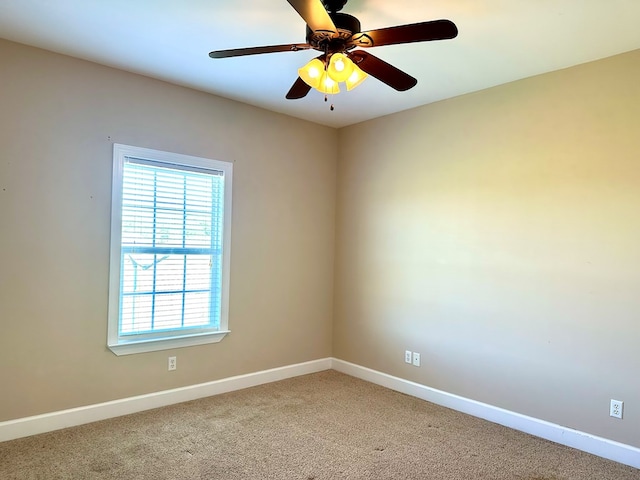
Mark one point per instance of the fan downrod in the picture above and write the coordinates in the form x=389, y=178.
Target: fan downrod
x=333, y=6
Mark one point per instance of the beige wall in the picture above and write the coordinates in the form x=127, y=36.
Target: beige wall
x=498, y=234
x=59, y=118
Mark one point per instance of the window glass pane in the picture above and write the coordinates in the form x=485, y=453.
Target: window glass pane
x=136, y=314
x=169, y=228
x=199, y=268
x=137, y=225
x=170, y=273
x=137, y=273
x=196, y=309
x=198, y=229
x=168, y=311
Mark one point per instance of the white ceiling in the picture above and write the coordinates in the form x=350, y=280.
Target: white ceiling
x=499, y=41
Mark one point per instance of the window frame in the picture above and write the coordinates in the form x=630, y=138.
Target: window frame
x=129, y=344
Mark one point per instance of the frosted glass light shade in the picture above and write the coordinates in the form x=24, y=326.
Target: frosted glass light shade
x=312, y=73
x=356, y=78
x=340, y=67
x=328, y=85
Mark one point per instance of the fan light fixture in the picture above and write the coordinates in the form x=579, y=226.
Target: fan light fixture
x=335, y=35
x=325, y=77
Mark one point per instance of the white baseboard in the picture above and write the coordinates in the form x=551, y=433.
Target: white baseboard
x=27, y=426
x=586, y=442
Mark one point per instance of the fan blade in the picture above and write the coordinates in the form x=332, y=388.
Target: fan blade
x=299, y=89
x=314, y=14
x=416, y=32
x=239, y=52
x=383, y=71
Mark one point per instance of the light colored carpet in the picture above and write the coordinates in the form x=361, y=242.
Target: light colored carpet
x=320, y=426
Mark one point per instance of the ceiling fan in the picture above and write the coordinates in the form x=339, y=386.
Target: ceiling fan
x=336, y=35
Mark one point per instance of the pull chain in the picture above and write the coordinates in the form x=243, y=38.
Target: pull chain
x=326, y=68
x=326, y=99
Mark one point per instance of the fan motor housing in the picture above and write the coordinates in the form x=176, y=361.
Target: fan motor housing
x=330, y=42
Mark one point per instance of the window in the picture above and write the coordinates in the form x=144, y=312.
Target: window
x=170, y=237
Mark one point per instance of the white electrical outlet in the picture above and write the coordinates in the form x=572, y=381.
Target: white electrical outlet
x=407, y=356
x=416, y=359
x=173, y=364
x=615, y=409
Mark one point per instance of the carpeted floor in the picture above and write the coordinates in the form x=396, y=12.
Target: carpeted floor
x=321, y=426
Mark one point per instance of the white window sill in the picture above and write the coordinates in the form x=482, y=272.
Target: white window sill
x=157, y=344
